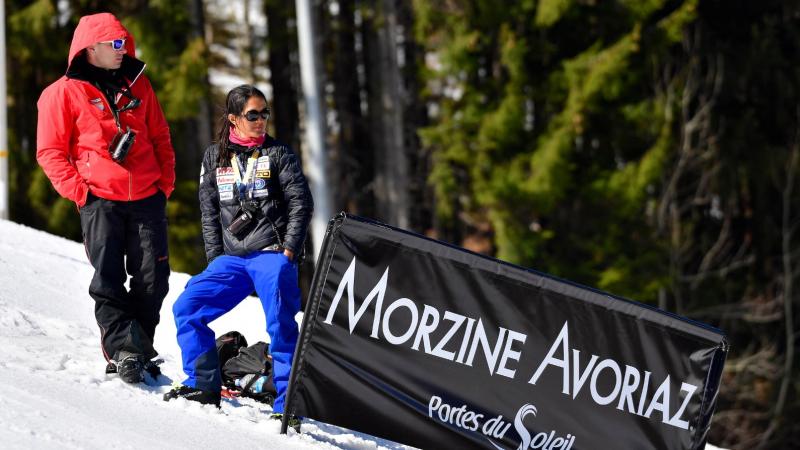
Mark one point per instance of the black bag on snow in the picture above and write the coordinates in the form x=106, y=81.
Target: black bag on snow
x=253, y=360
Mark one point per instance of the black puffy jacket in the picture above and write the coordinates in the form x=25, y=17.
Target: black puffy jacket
x=284, y=203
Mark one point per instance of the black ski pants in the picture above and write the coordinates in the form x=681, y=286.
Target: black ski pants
x=121, y=239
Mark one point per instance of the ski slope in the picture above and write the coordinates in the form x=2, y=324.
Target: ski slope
x=56, y=395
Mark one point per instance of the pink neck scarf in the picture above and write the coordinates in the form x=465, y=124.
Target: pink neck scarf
x=246, y=141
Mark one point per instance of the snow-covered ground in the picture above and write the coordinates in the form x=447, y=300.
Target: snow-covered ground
x=55, y=393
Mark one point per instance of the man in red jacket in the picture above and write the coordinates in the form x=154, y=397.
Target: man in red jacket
x=103, y=141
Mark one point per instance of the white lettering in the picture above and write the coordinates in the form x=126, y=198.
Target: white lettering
x=490, y=354
x=645, y=386
x=623, y=388
x=473, y=419
x=520, y=427
x=433, y=405
x=444, y=413
x=502, y=357
x=611, y=364
x=412, y=307
x=465, y=340
x=578, y=379
x=508, y=353
x=439, y=349
x=496, y=427
x=426, y=328
x=660, y=401
x=460, y=417
x=539, y=440
x=348, y=282
x=563, y=341
x=556, y=443
x=629, y=386
x=675, y=420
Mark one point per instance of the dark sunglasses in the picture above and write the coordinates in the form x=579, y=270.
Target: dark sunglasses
x=253, y=115
x=116, y=44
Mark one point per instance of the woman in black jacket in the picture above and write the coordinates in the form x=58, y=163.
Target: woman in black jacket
x=256, y=207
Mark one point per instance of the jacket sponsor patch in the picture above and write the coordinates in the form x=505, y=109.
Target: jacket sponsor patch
x=98, y=103
x=263, y=173
x=226, y=196
x=260, y=193
x=262, y=163
x=225, y=187
x=225, y=175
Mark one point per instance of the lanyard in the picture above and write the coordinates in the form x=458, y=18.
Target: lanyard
x=248, y=173
x=112, y=102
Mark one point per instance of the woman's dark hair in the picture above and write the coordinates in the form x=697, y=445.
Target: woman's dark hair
x=234, y=104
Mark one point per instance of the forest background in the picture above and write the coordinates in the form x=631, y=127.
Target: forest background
x=649, y=148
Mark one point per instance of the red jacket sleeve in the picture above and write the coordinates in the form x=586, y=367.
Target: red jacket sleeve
x=158, y=129
x=53, y=133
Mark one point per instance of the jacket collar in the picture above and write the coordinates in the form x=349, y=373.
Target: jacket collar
x=130, y=70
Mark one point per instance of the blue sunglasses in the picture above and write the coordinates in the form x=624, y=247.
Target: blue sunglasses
x=116, y=44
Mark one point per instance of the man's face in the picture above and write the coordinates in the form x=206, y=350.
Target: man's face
x=103, y=55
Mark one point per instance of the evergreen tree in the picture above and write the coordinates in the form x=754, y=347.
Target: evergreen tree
x=645, y=148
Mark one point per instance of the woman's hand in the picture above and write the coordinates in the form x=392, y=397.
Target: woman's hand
x=289, y=254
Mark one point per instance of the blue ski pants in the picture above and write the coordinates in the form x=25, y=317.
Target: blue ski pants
x=224, y=284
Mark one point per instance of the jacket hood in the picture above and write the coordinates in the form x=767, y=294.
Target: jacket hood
x=98, y=28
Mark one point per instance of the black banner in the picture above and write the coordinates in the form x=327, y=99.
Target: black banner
x=426, y=344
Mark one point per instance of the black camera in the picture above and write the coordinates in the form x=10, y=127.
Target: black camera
x=121, y=145
x=240, y=223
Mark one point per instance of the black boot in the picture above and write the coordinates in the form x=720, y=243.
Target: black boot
x=193, y=394
x=131, y=369
x=152, y=368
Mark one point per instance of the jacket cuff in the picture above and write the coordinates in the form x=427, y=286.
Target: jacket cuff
x=212, y=256
x=293, y=245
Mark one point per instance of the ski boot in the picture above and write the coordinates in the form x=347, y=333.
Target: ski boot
x=131, y=369
x=193, y=394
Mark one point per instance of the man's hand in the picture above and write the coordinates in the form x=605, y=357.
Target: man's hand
x=289, y=254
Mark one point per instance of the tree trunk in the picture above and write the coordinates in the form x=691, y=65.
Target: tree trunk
x=354, y=154
x=415, y=116
x=202, y=126
x=282, y=69
x=386, y=107
x=248, y=52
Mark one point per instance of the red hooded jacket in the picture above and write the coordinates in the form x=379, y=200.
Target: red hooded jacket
x=76, y=126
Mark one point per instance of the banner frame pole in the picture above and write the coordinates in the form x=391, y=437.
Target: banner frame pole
x=314, y=297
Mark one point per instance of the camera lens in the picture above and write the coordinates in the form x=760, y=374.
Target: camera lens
x=239, y=224
x=121, y=145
